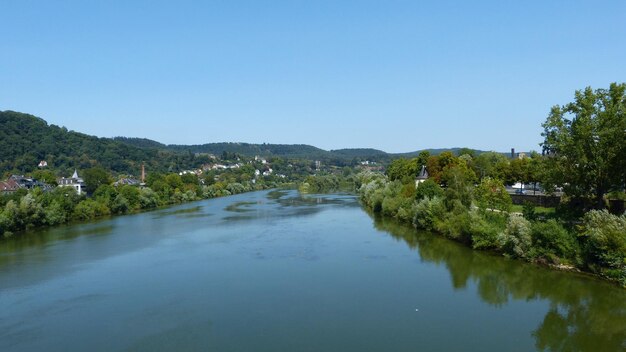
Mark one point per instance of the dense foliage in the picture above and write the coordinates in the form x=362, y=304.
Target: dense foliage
x=476, y=210
x=24, y=210
x=585, y=141
x=465, y=199
x=337, y=157
x=25, y=140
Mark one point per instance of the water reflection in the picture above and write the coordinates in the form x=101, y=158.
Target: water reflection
x=285, y=204
x=184, y=211
x=37, y=240
x=240, y=207
x=585, y=314
x=184, y=276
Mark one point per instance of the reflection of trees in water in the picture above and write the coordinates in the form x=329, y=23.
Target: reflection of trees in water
x=585, y=314
x=41, y=238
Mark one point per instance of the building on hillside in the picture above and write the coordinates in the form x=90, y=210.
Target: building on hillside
x=16, y=182
x=9, y=186
x=422, y=176
x=42, y=164
x=127, y=181
x=23, y=182
x=74, y=181
x=29, y=183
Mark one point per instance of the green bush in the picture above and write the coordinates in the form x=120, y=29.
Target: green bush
x=429, y=212
x=485, y=232
x=552, y=241
x=55, y=214
x=460, y=224
x=529, y=211
x=132, y=196
x=89, y=209
x=604, y=243
x=31, y=212
x=235, y=188
x=148, y=198
x=428, y=189
x=516, y=240
x=120, y=205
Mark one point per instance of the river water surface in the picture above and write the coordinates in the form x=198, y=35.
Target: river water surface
x=276, y=271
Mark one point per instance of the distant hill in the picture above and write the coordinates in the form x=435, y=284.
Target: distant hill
x=140, y=142
x=434, y=151
x=360, y=152
x=26, y=139
x=282, y=150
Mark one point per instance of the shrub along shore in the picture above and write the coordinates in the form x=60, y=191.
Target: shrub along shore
x=479, y=216
x=25, y=210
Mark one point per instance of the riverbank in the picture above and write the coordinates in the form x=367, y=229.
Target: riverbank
x=594, y=244
x=36, y=209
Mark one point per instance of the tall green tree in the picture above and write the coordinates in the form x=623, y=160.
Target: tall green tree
x=95, y=177
x=491, y=194
x=585, y=143
x=404, y=170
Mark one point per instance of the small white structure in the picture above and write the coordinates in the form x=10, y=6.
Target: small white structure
x=422, y=176
x=519, y=188
x=43, y=164
x=73, y=181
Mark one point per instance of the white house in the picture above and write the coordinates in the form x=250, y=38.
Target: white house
x=73, y=181
x=422, y=176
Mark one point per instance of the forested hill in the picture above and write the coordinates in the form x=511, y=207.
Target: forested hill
x=361, y=153
x=296, y=151
x=300, y=151
x=141, y=142
x=25, y=140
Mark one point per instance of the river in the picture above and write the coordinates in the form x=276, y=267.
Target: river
x=277, y=271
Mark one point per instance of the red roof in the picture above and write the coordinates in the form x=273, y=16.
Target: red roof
x=9, y=185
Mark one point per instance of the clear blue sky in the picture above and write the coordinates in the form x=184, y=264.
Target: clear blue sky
x=393, y=75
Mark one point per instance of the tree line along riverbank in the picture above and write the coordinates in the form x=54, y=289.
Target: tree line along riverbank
x=463, y=196
x=28, y=209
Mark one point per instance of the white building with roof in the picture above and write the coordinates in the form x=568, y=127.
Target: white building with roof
x=74, y=181
x=422, y=176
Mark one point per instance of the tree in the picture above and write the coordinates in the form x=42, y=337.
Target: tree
x=404, y=170
x=604, y=238
x=459, y=180
x=174, y=181
x=437, y=165
x=189, y=179
x=491, y=194
x=46, y=176
x=95, y=177
x=422, y=159
x=466, y=151
x=585, y=143
x=428, y=189
x=491, y=164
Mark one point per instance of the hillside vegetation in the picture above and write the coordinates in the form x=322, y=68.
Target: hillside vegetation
x=26, y=139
